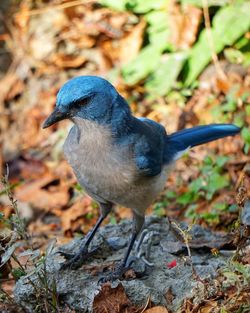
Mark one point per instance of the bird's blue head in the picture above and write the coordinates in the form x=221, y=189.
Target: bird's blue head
x=87, y=97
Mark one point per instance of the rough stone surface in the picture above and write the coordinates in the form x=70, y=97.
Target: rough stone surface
x=77, y=288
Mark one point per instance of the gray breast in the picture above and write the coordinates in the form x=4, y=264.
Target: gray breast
x=108, y=172
x=100, y=168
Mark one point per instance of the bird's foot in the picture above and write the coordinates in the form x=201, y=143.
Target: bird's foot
x=74, y=261
x=118, y=273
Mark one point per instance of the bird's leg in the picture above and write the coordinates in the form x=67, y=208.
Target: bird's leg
x=74, y=261
x=123, y=267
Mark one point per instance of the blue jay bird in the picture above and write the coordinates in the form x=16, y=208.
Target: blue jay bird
x=116, y=157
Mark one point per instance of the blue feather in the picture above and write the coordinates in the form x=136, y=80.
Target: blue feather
x=191, y=137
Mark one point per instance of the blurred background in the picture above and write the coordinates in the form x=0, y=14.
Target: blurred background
x=180, y=63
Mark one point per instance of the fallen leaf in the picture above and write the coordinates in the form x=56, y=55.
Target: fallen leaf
x=71, y=218
x=26, y=167
x=68, y=61
x=157, y=309
x=127, y=48
x=45, y=193
x=112, y=300
x=169, y=296
x=209, y=308
x=184, y=23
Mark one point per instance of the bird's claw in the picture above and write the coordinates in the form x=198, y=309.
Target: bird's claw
x=66, y=255
x=116, y=274
x=74, y=261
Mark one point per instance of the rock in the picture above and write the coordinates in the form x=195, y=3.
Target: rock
x=165, y=286
x=245, y=214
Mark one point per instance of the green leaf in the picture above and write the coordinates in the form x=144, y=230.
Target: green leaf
x=143, y=6
x=159, y=209
x=119, y=5
x=139, y=68
x=230, y=106
x=210, y=217
x=219, y=206
x=191, y=211
x=246, y=148
x=245, y=133
x=216, y=181
x=223, y=310
x=196, y=185
x=171, y=194
x=239, y=119
x=229, y=24
x=221, y=160
x=199, y=3
x=158, y=29
x=208, y=160
x=18, y=273
x=248, y=109
x=165, y=76
x=186, y=198
x=234, y=55
x=112, y=220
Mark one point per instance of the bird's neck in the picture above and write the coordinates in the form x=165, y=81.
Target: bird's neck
x=121, y=119
x=118, y=120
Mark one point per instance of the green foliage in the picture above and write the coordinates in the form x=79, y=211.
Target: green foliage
x=208, y=183
x=245, y=133
x=161, y=65
x=35, y=263
x=205, y=186
x=144, y=6
x=145, y=63
x=229, y=24
x=18, y=273
x=236, y=274
x=137, y=6
x=159, y=208
x=165, y=76
x=199, y=3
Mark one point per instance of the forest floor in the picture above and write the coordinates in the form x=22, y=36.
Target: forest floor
x=42, y=48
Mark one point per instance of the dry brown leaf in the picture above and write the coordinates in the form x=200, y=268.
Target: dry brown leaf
x=169, y=296
x=123, y=212
x=26, y=168
x=124, y=50
x=22, y=17
x=15, y=90
x=75, y=213
x=184, y=23
x=46, y=193
x=68, y=61
x=112, y=300
x=209, y=307
x=157, y=309
x=7, y=83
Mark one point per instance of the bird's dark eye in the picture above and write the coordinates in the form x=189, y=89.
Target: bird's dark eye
x=81, y=102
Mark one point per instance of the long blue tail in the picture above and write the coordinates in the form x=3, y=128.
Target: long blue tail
x=190, y=137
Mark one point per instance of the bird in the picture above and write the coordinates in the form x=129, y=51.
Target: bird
x=117, y=158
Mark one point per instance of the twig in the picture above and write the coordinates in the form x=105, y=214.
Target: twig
x=61, y=6
x=20, y=227
x=218, y=68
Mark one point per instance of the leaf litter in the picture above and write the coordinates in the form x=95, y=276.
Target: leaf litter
x=50, y=45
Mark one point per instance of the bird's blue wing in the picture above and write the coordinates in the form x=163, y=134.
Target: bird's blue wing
x=149, y=147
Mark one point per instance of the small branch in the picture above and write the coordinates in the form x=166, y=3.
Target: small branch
x=218, y=68
x=55, y=7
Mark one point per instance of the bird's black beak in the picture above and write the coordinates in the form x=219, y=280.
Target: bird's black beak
x=54, y=117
